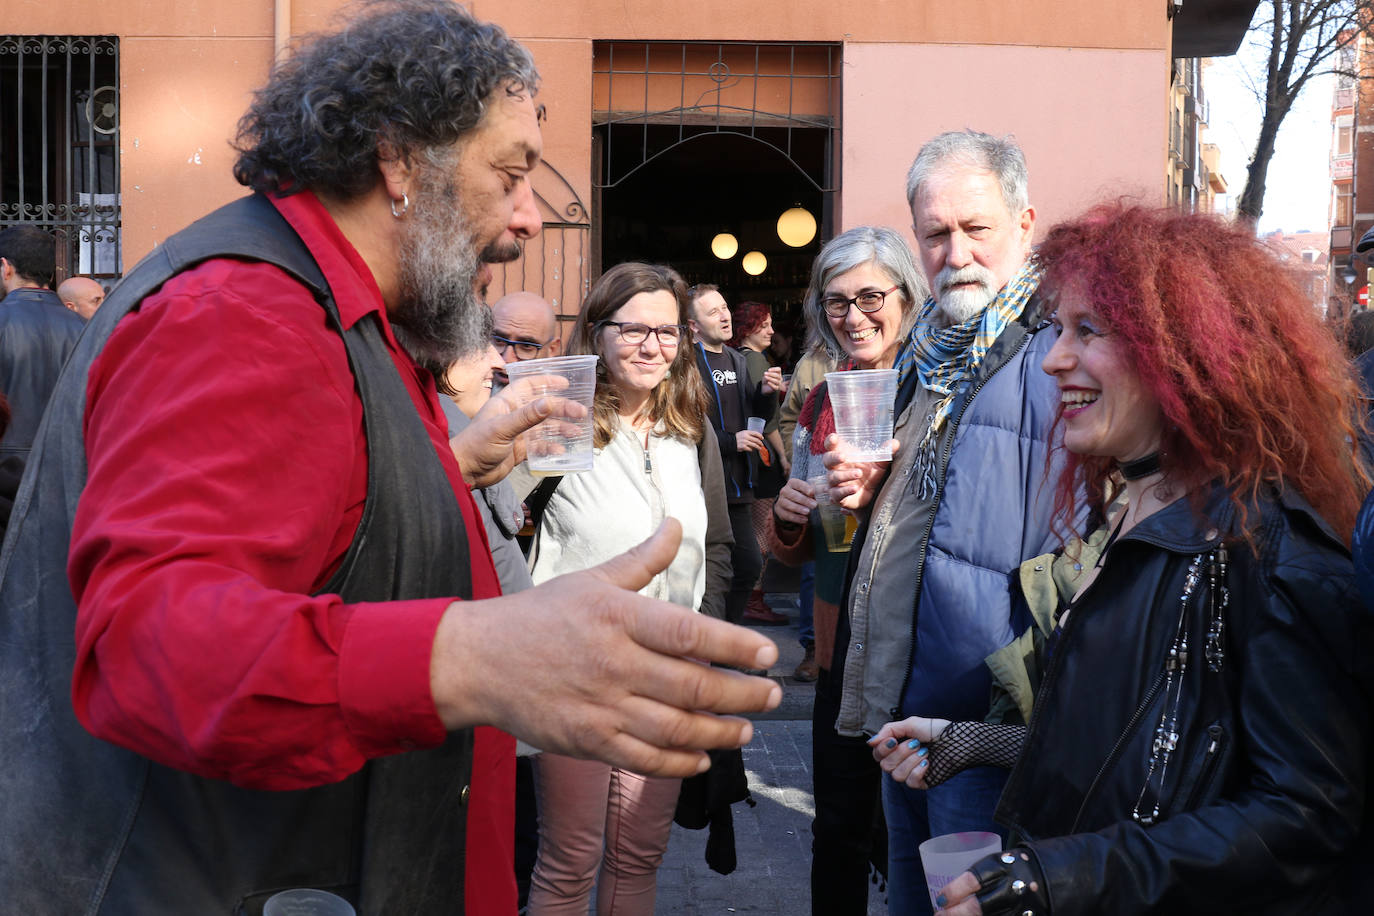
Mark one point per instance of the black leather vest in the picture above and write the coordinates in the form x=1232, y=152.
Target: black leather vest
x=87, y=827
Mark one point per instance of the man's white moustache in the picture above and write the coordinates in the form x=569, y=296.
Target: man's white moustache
x=966, y=276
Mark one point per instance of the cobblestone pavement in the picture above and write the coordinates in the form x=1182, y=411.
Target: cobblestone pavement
x=772, y=839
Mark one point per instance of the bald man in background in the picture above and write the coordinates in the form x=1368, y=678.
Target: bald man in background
x=524, y=326
x=82, y=295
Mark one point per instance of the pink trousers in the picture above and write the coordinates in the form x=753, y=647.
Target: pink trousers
x=586, y=807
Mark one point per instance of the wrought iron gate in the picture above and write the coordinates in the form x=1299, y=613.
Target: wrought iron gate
x=693, y=138
x=554, y=263
x=59, y=147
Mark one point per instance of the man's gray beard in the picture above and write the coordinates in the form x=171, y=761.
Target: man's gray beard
x=440, y=318
x=959, y=305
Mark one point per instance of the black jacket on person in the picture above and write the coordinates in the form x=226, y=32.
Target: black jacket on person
x=741, y=468
x=1265, y=805
x=37, y=334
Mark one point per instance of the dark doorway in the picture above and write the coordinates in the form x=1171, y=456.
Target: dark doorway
x=668, y=209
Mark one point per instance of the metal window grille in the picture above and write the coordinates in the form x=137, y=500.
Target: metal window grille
x=59, y=150
x=767, y=109
x=767, y=92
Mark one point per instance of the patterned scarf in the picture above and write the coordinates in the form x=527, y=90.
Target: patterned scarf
x=945, y=358
x=817, y=417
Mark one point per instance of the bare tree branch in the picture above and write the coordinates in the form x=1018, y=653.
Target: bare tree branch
x=1300, y=39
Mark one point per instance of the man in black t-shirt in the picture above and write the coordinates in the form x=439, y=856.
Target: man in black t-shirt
x=731, y=402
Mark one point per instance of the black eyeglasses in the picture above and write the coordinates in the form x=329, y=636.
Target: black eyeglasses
x=868, y=301
x=524, y=349
x=634, y=333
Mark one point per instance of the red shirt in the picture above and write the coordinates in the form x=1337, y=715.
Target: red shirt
x=227, y=474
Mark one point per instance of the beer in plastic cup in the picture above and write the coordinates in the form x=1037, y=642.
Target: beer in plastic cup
x=837, y=525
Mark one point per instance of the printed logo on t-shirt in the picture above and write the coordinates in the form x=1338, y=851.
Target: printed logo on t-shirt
x=724, y=376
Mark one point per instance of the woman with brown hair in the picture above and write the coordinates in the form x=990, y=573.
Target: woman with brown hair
x=654, y=458
x=1199, y=739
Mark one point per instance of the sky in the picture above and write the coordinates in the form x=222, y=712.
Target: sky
x=1299, y=182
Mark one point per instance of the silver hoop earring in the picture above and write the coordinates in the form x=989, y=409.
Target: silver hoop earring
x=405, y=205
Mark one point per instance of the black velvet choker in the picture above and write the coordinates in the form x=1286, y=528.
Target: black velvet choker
x=1140, y=467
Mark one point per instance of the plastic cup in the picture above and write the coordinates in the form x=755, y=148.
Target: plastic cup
x=863, y=400
x=558, y=445
x=306, y=901
x=756, y=424
x=837, y=524
x=947, y=857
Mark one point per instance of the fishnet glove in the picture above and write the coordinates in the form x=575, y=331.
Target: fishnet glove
x=973, y=744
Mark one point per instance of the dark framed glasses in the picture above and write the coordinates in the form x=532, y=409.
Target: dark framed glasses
x=868, y=301
x=634, y=333
x=524, y=349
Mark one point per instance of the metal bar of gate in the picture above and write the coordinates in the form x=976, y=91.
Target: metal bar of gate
x=43, y=121
x=19, y=113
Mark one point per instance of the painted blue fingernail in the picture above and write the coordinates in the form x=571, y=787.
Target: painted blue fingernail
x=940, y=901
x=922, y=764
x=922, y=752
x=913, y=744
x=891, y=742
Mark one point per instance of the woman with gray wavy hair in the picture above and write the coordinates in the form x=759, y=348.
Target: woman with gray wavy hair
x=864, y=295
x=863, y=245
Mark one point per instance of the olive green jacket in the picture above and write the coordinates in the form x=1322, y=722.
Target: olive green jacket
x=1047, y=584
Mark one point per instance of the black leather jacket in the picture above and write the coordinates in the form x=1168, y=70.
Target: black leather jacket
x=1264, y=806
x=37, y=334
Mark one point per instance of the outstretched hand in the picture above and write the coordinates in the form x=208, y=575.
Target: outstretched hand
x=583, y=665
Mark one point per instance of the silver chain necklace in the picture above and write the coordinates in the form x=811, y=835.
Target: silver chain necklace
x=1176, y=664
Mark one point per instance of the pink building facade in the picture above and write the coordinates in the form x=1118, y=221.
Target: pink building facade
x=718, y=115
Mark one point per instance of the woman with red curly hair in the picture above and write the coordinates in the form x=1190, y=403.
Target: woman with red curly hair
x=1199, y=689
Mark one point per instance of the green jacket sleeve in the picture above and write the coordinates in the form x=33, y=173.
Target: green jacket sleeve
x=1045, y=584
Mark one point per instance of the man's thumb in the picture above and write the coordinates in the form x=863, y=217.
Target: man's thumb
x=634, y=568
x=506, y=427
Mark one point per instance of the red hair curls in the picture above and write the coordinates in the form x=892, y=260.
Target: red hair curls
x=1255, y=390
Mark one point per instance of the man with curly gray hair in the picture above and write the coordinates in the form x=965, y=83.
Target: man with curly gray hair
x=251, y=638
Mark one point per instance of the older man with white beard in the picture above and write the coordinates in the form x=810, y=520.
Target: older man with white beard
x=962, y=502
x=250, y=633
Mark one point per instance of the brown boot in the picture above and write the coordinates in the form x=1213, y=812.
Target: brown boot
x=807, y=671
x=758, y=613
